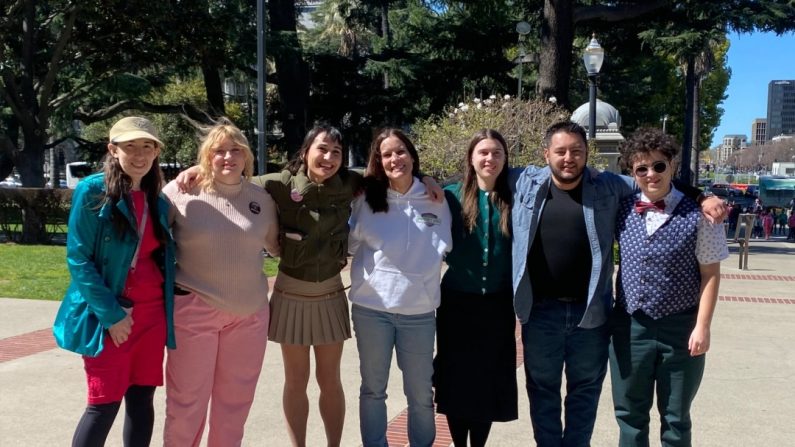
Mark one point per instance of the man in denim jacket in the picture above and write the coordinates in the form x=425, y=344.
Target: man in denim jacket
x=563, y=219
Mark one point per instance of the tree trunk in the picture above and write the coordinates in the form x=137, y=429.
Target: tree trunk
x=214, y=88
x=292, y=72
x=386, y=33
x=687, y=138
x=557, y=34
x=30, y=165
x=696, y=129
x=6, y=158
x=30, y=161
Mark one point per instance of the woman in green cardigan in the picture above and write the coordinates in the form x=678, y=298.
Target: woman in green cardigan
x=475, y=365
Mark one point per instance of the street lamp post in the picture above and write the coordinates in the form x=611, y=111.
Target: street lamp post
x=523, y=28
x=262, y=132
x=593, y=57
x=664, y=120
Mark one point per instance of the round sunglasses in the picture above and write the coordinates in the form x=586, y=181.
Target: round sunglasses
x=658, y=167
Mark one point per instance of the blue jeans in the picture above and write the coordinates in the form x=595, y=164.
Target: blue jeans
x=551, y=340
x=412, y=337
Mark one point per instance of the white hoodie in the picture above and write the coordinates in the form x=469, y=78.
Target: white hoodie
x=397, y=255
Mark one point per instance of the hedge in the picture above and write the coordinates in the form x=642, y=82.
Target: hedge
x=48, y=206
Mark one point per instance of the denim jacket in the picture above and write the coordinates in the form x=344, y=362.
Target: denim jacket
x=601, y=196
x=98, y=262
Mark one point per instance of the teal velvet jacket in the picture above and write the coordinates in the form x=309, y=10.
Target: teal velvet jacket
x=98, y=261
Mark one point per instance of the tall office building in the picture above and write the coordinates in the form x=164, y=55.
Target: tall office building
x=759, y=131
x=780, y=108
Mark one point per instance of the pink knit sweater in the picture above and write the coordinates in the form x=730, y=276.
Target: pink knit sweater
x=220, y=236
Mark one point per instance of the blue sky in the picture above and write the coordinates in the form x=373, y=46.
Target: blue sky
x=755, y=60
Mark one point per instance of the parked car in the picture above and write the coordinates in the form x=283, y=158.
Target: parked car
x=10, y=182
x=725, y=190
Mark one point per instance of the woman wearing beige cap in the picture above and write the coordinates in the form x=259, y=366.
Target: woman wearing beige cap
x=121, y=259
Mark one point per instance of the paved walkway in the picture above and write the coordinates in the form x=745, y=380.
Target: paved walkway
x=747, y=396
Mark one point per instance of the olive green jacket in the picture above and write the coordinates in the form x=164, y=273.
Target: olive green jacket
x=313, y=221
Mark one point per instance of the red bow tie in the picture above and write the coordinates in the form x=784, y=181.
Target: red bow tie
x=641, y=206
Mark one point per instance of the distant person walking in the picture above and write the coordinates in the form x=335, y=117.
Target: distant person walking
x=791, y=223
x=767, y=223
x=782, y=222
x=121, y=260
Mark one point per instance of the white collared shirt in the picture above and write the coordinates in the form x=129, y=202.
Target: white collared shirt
x=711, y=238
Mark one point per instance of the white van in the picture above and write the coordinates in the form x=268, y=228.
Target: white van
x=75, y=172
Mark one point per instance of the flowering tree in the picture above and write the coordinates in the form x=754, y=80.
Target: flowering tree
x=442, y=140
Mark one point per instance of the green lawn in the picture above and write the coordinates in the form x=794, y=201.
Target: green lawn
x=33, y=271
x=39, y=271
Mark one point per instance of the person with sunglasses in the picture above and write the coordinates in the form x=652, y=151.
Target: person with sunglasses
x=563, y=220
x=666, y=291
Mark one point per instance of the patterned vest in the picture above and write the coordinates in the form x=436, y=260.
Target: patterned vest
x=658, y=274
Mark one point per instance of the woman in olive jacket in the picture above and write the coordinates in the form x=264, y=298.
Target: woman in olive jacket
x=308, y=305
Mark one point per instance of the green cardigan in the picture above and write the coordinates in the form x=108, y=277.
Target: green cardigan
x=480, y=262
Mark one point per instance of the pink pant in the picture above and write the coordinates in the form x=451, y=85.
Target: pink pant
x=218, y=356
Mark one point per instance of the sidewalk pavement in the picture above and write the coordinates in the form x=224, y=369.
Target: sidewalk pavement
x=747, y=396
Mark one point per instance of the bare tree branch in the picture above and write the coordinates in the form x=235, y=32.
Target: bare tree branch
x=55, y=64
x=78, y=90
x=10, y=93
x=12, y=9
x=187, y=110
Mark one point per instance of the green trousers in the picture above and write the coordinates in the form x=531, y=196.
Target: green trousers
x=648, y=355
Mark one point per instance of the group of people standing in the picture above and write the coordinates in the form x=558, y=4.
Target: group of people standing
x=767, y=221
x=534, y=243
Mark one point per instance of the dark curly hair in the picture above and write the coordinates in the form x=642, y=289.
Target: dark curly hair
x=644, y=141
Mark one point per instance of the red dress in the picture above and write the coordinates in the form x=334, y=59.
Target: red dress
x=139, y=360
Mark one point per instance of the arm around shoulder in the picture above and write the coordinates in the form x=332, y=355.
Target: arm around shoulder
x=272, y=235
x=262, y=180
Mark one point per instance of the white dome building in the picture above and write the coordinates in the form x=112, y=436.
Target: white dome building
x=608, y=136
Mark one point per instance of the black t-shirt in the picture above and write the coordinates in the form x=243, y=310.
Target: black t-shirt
x=559, y=262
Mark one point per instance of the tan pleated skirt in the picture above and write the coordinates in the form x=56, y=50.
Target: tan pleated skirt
x=308, y=313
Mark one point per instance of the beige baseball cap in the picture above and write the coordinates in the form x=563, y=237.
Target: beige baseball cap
x=133, y=127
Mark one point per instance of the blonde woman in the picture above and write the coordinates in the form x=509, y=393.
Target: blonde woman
x=221, y=311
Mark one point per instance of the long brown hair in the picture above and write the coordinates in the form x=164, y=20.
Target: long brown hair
x=117, y=187
x=500, y=197
x=376, y=182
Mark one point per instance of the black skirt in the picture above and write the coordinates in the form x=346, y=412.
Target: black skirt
x=475, y=364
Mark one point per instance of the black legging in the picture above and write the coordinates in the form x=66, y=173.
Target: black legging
x=461, y=429
x=94, y=426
